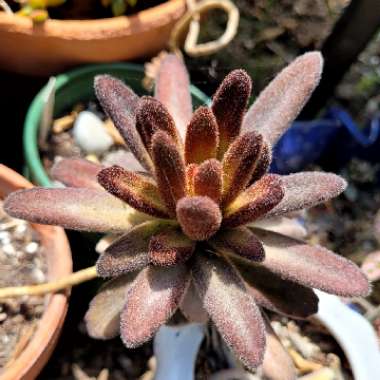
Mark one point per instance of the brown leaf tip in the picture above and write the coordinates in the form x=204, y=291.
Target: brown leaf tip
x=199, y=217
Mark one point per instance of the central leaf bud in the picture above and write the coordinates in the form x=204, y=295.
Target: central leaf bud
x=199, y=217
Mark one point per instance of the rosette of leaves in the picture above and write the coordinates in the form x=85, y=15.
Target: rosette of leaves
x=37, y=9
x=201, y=222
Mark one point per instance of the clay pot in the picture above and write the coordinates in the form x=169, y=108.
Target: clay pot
x=39, y=349
x=50, y=47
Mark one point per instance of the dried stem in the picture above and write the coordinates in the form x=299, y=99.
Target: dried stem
x=50, y=287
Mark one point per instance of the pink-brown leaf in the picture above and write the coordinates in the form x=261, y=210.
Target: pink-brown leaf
x=199, y=217
x=77, y=172
x=169, y=170
x=202, y=137
x=76, y=209
x=282, y=100
x=254, y=202
x=239, y=163
x=152, y=116
x=208, y=180
x=307, y=189
x=173, y=90
x=129, y=252
x=233, y=311
x=120, y=104
x=274, y=293
x=170, y=247
x=239, y=241
x=192, y=307
x=229, y=105
x=103, y=315
x=152, y=300
x=313, y=266
x=138, y=190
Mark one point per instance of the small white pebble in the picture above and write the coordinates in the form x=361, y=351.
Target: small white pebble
x=3, y=317
x=31, y=247
x=9, y=249
x=38, y=275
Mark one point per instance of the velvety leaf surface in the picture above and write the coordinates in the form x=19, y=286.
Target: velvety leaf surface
x=208, y=180
x=120, y=103
x=202, y=137
x=192, y=307
x=199, y=217
x=282, y=225
x=272, y=292
x=170, y=247
x=152, y=116
x=76, y=172
x=191, y=170
x=103, y=316
x=307, y=189
x=313, y=266
x=169, y=170
x=129, y=252
x=152, y=300
x=76, y=209
x=282, y=100
x=254, y=202
x=277, y=364
x=138, y=190
x=239, y=163
x=239, y=241
x=173, y=90
x=233, y=311
x=263, y=163
x=229, y=105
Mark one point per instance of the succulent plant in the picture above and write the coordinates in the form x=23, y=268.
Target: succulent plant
x=201, y=229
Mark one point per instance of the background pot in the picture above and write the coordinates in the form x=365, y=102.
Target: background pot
x=37, y=352
x=50, y=47
x=72, y=87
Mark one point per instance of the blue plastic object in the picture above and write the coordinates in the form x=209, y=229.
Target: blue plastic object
x=331, y=141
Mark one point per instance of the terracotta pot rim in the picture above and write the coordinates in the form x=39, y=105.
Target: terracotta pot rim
x=98, y=29
x=38, y=350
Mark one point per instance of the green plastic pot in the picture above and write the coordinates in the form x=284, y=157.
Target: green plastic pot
x=72, y=87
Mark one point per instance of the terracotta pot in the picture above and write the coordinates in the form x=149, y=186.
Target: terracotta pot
x=39, y=349
x=47, y=48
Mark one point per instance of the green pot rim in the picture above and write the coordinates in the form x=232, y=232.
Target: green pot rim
x=34, y=168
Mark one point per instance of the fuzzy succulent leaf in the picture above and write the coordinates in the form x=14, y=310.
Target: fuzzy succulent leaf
x=263, y=163
x=207, y=180
x=129, y=252
x=152, y=299
x=170, y=247
x=103, y=315
x=202, y=137
x=138, y=190
x=239, y=241
x=192, y=307
x=239, y=320
x=152, y=116
x=282, y=100
x=307, y=189
x=173, y=90
x=77, y=209
x=274, y=293
x=170, y=170
x=76, y=172
x=254, y=202
x=229, y=105
x=277, y=363
x=282, y=225
x=239, y=163
x=199, y=217
x=120, y=104
x=312, y=266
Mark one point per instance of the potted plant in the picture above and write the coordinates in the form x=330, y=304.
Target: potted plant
x=70, y=88
x=190, y=223
x=37, y=349
x=44, y=48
